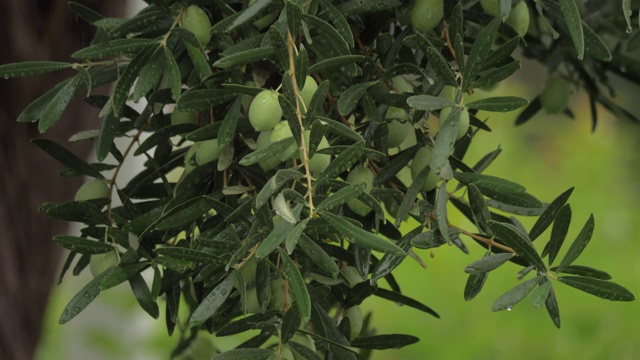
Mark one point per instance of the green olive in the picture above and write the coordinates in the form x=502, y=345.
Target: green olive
x=318, y=162
x=279, y=294
x=265, y=111
x=354, y=314
x=102, y=262
x=92, y=189
x=426, y=14
x=421, y=161
x=352, y=275
x=555, y=96
x=491, y=7
x=180, y=117
x=266, y=20
x=251, y=301
x=305, y=340
x=309, y=88
x=248, y=270
x=463, y=122
x=196, y=20
x=519, y=18
x=264, y=139
x=207, y=151
x=280, y=132
x=402, y=85
x=360, y=174
x=285, y=354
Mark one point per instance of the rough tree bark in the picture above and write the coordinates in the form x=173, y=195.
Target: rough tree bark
x=34, y=30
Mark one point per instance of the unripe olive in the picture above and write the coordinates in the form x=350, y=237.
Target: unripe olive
x=180, y=117
x=102, y=262
x=318, y=162
x=285, y=354
x=402, y=85
x=188, y=157
x=463, y=122
x=264, y=139
x=266, y=20
x=280, y=132
x=279, y=294
x=555, y=96
x=421, y=161
x=251, y=301
x=207, y=151
x=491, y=7
x=248, y=270
x=426, y=14
x=305, y=340
x=352, y=275
x=265, y=111
x=354, y=314
x=309, y=88
x=92, y=189
x=519, y=18
x=196, y=20
x=360, y=174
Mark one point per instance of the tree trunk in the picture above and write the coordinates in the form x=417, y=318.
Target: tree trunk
x=29, y=260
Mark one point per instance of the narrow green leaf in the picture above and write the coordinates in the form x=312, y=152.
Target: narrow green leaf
x=303, y=351
x=243, y=354
x=404, y=300
x=389, y=261
x=186, y=254
x=274, y=149
x=251, y=13
x=274, y=239
x=229, y=123
x=497, y=75
x=340, y=129
x=498, y=104
x=444, y=144
x=429, y=103
x=143, y=295
x=437, y=61
x=512, y=237
x=594, y=45
x=297, y=286
x=382, y=342
x=410, y=196
x=245, y=57
x=489, y=183
x=319, y=256
x=549, y=214
x=28, y=68
x=275, y=183
x=121, y=274
x=85, y=13
x=339, y=21
x=112, y=48
x=162, y=135
x=487, y=263
x=80, y=211
x=502, y=54
x=343, y=161
x=441, y=211
x=626, y=10
x=479, y=209
x=478, y=53
x=513, y=296
x=145, y=18
x=213, y=301
x=519, y=204
x=128, y=77
x=600, y=288
x=350, y=97
x=334, y=62
x=67, y=158
x=325, y=326
x=505, y=9
x=174, y=74
x=584, y=271
x=579, y=244
x=474, y=285
x=341, y=196
x=358, y=7
x=396, y=164
x=571, y=16
x=82, y=245
x=359, y=236
x=202, y=100
x=82, y=299
x=59, y=102
x=551, y=304
x=108, y=132
x=195, y=211
x=198, y=57
x=540, y=295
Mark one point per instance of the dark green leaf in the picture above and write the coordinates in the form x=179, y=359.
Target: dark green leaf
x=600, y=288
x=389, y=261
x=513, y=296
x=174, y=74
x=213, y=301
x=594, y=45
x=579, y=244
x=186, y=254
x=573, y=22
x=59, y=102
x=478, y=53
x=399, y=298
x=80, y=211
x=243, y=354
x=83, y=246
x=67, y=158
x=319, y=256
x=549, y=214
x=429, y=103
x=297, y=286
x=350, y=97
x=143, y=295
x=251, y=13
x=343, y=161
x=28, y=68
x=357, y=7
x=275, y=183
x=487, y=263
x=479, y=209
x=584, y=271
x=512, y=237
x=121, y=274
x=128, y=77
x=444, y=144
x=540, y=295
x=334, y=62
x=108, y=131
x=245, y=57
x=305, y=352
x=489, y=183
x=498, y=104
x=274, y=239
x=82, y=299
x=324, y=326
x=437, y=61
x=551, y=304
x=441, y=211
x=359, y=236
x=519, y=204
x=195, y=211
x=339, y=21
x=474, y=285
x=112, y=48
x=341, y=196
x=497, y=75
x=381, y=342
x=274, y=149
x=84, y=12
x=201, y=100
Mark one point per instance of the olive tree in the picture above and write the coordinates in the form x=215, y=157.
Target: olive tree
x=287, y=142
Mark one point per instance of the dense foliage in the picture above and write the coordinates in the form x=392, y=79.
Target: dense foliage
x=286, y=142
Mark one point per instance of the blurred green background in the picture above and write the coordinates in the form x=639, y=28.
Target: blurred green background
x=547, y=155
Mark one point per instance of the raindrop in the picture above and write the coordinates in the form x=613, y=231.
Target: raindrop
x=623, y=69
x=76, y=310
x=87, y=295
x=629, y=30
x=509, y=308
x=223, y=292
x=66, y=312
x=581, y=57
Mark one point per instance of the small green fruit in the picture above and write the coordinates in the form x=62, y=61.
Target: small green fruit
x=352, y=275
x=519, y=18
x=401, y=85
x=266, y=20
x=102, y=262
x=280, y=132
x=427, y=14
x=248, y=270
x=491, y=7
x=265, y=111
x=354, y=314
x=421, y=161
x=318, y=162
x=309, y=88
x=207, y=151
x=285, y=354
x=305, y=340
x=360, y=174
x=463, y=122
x=555, y=96
x=180, y=117
x=251, y=301
x=92, y=189
x=279, y=294
x=196, y=20
x=264, y=139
